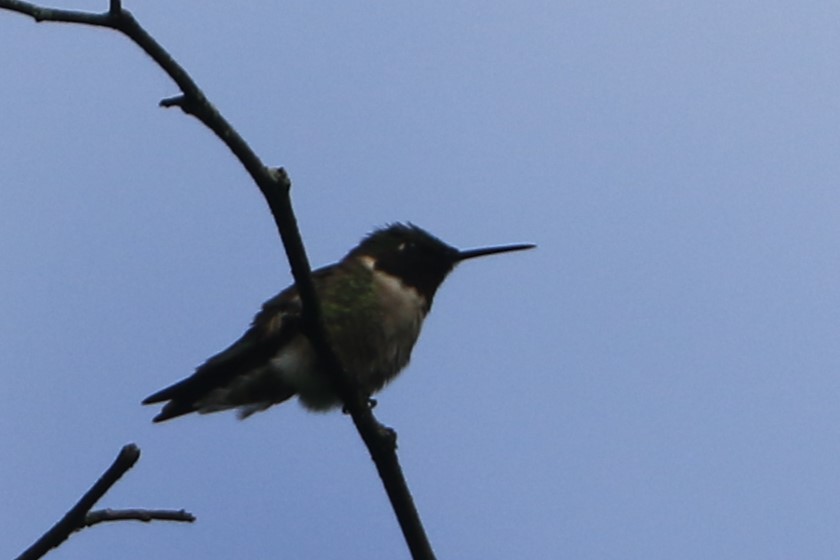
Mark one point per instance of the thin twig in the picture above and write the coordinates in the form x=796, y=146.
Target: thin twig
x=144, y=515
x=74, y=518
x=274, y=185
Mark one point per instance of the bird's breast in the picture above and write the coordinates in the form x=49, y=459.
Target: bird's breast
x=402, y=312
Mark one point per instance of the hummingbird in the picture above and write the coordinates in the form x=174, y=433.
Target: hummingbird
x=373, y=305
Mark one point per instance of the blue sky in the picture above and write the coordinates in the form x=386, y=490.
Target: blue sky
x=659, y=379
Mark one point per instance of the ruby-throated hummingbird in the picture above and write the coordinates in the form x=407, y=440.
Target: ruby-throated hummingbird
x=373, y=304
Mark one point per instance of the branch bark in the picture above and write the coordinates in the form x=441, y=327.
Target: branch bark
x=275, y=185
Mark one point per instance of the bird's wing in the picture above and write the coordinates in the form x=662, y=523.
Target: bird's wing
x=275, y=325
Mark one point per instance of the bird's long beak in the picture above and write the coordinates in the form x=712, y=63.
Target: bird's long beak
x=472, y=253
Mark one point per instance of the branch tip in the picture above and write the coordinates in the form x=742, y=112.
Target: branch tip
x=131, y=452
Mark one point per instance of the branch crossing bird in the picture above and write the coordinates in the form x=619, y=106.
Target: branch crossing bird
x=373, y=304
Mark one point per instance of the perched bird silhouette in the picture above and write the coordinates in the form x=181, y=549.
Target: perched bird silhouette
x=373, y=304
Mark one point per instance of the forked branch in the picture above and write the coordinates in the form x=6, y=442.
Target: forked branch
x=80, y=515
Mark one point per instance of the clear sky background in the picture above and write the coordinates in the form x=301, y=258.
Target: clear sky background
x=660, y=379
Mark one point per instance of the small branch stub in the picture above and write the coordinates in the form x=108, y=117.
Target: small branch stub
x=279, y=175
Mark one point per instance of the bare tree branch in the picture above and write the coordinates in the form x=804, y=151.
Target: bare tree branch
x=144, y=515
x=74, y=518
x=274, y=185
x=78, y=517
